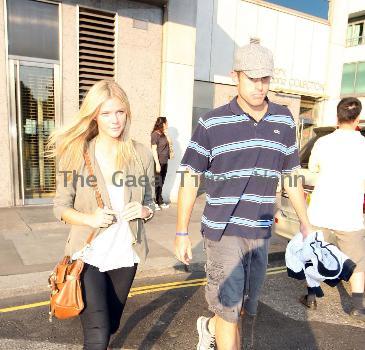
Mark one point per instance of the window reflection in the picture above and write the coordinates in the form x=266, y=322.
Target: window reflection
x=33, y=29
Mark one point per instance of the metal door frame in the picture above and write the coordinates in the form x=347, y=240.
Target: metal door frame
x=15, y=119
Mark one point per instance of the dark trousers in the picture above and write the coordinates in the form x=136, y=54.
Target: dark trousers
x=159, y=181
x=105, y=295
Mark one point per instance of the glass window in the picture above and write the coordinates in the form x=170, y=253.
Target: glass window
x=360, y=78
x=355, y=34
x=33, y=29
x=349, y=35
x=358, y=32
x=348, y=78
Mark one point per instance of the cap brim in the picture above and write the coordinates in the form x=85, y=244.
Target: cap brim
x=258, y=73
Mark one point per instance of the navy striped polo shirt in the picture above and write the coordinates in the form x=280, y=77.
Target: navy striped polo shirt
x=242, y=161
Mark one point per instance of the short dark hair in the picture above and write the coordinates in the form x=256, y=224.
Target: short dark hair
x=348, y=110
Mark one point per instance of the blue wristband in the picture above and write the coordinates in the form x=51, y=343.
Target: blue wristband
x=182, y=234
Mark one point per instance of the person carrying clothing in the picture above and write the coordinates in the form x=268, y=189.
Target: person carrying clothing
x=336, y=205
x=162, y=151
x=242, y=148
x=101, y=128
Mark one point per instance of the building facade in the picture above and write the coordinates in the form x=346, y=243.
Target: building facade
x=298, y=41
x=173, y=58
x=317, y=61
x=346, y=59
x=53, y=51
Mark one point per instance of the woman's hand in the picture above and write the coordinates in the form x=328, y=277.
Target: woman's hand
x=158, y=168
x=135, y=210
x=101, y=217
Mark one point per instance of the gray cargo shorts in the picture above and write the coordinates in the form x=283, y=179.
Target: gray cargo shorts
x=236, y=269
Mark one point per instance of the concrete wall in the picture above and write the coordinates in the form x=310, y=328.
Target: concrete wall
x=5, y=155
x=354, y=53
x=355, y=6
x=69, y=63
x=178, y=81
x=138, y=59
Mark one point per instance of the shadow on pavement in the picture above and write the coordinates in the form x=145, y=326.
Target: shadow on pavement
x=345, y=298
x=271, y=330
x=163, y=321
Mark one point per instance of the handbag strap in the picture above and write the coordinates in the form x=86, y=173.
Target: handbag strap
x=94, y=185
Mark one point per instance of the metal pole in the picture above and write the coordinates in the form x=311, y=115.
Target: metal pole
x=20, y=131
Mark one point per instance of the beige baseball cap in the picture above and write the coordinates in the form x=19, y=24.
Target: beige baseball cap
x=254, y=60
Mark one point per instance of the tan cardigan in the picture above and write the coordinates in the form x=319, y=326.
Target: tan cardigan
x=82, y=198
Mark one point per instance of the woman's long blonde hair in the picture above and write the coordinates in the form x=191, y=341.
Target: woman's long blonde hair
x=68, y=143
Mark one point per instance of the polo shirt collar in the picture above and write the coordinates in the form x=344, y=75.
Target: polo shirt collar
x=237, y=110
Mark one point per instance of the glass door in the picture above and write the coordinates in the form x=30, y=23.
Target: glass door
x=34, y=96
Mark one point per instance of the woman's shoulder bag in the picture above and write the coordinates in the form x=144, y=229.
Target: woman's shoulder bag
x=66, y=294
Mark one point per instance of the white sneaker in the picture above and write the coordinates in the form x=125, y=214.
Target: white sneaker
x=157, y=207
x=206, y=339
x=164, y=206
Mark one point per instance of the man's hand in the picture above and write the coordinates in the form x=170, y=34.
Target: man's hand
x=296, y=196
x=305, y=230
x=186, y=199
x=183, y=249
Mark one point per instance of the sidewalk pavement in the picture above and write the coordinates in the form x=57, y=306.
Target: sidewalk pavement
x=32, y=241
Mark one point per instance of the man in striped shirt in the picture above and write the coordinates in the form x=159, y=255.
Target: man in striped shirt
x=242, y=149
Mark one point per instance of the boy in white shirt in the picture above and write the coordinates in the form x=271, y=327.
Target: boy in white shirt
x=336, y=205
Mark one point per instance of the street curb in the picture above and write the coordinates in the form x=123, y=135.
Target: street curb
x=26, y=284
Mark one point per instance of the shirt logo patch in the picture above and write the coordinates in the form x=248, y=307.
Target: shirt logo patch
x=276, y=131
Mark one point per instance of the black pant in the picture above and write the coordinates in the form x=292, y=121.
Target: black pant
x=159, y=181
x=104, y=295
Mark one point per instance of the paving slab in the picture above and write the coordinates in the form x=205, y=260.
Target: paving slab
x=10, y=220
x=36, y=214
x=40, y=250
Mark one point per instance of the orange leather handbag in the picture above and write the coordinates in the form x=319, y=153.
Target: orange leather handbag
x=64, y=281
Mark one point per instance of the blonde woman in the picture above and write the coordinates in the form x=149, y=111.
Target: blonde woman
x=124, y=171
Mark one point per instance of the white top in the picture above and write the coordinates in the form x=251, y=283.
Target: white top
x=337, y=200
x=112, y=249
